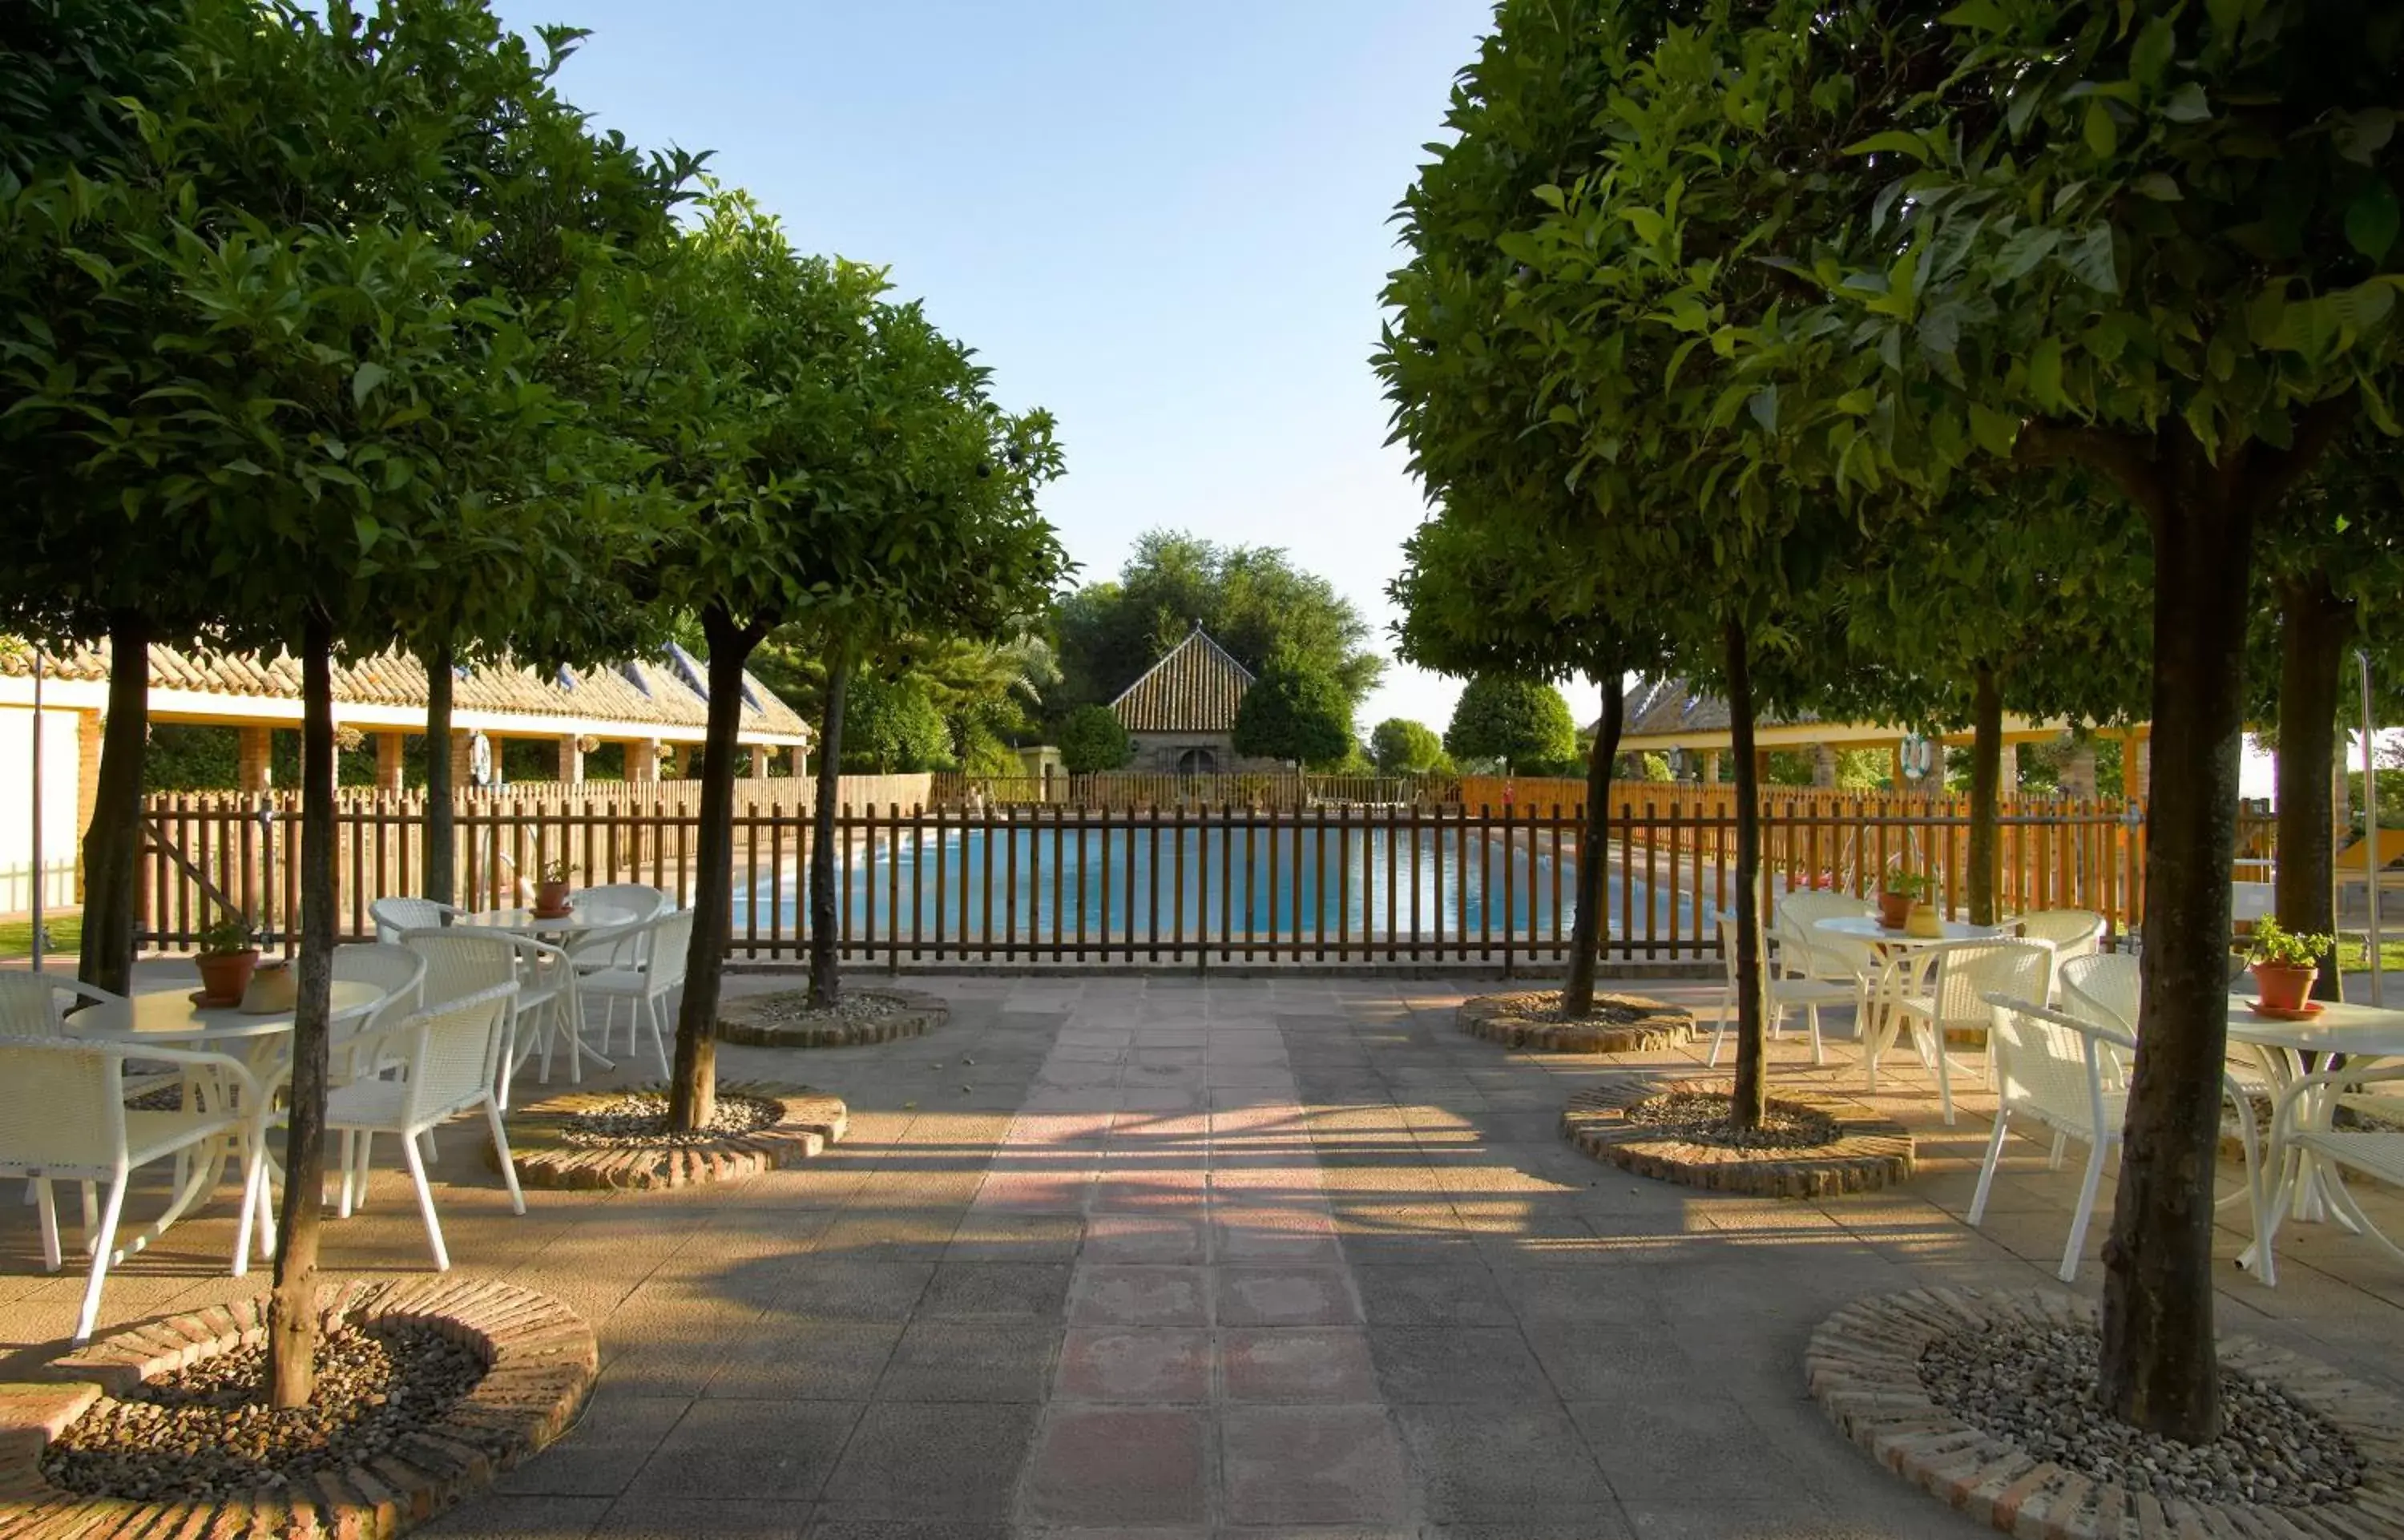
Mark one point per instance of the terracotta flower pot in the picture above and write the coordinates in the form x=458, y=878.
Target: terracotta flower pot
x=226, y=975
x=2282, y=988
x=551, y=900
x=1893, y=909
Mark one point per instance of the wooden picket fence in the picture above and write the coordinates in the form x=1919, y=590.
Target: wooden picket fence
x=1120, y=790
x=1391, y=883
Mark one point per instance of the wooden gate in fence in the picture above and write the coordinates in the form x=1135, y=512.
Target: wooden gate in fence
x=919, y=886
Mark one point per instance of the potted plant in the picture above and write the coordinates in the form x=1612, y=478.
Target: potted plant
x=1897, y=894
x=2285, y=965
x=227, y=956
x=551, y=888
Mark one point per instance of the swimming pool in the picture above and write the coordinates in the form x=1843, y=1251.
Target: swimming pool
x=1118, y=887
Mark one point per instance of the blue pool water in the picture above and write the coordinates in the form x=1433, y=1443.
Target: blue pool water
x=1280, y=883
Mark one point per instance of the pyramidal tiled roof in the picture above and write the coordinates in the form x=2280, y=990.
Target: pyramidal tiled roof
x=1667, y=708
x=645, y=693
x=1194, y=689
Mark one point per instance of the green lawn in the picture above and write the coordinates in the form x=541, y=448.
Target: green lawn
x=2354, y=957
x=17, y=935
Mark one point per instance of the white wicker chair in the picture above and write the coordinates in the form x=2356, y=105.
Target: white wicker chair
x=390, y=967
x=1934, y=989
x=1781, y=992
x=2067, y=1073
x=2300, y=1124
x=665, y=944
x=37, y=1004
x=397, y=915
x=2071, y=932
x=618, y=946
x=2109, y=986
x=450, y=1058
x=63, y=1117
x=550, y=1008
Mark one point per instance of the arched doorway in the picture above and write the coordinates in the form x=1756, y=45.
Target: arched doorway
x=1197, y=761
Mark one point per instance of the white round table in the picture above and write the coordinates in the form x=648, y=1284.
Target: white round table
x=525, y=922
x=2340, y=1029
x=1867, y=928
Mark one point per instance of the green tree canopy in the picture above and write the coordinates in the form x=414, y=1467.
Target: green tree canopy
x=890, y=727
x=1252, y=599
x=1520, y=724
x=1092, y=739
x=1400, y=746
x=1296, y=713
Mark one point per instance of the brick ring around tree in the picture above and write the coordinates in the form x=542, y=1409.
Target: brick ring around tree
x=783, y=1019
x=1529, y=1019
x=553, y=1150
x=1861, y=1152
x=540, y=1361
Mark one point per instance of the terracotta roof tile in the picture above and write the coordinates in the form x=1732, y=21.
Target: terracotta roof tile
x=642, y=694
x=1672, y=707
x=1194, y=689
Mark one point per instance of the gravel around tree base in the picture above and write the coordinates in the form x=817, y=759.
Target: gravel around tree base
x=205, y=1431
x=1701, y=1117
x=640, y=1118
x=1546, y=1005
x=2036, y=1388
x=792, y=1008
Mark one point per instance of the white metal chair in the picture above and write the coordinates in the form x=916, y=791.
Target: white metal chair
x=2067, y=1075
x=449, y=1055
x=1781, y=992
x=397, y=915
x=2071, y=932
x=63, y=1117
x=665, y=942
x=1932, y=991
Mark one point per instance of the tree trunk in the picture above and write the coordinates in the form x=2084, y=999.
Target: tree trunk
x=2312, y=626
x=2160, y=1370
x=1986, y=783
x=112, y=846
x=441, y=824
x=292, y=1314
x=825, y=917
x=1751, y=1093
x=692, y=1096
x=1590, y=925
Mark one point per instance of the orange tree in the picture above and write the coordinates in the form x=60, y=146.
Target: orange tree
x=840, y=470
x=2163, y=248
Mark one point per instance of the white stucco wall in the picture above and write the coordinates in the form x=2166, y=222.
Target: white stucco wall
x=59, y=831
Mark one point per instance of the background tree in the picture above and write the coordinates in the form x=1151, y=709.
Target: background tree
x=1515, y=722
x=1093, y=739
x=1296, y=713
x=1400, y=746
x=1252, y=599
x=890, y=727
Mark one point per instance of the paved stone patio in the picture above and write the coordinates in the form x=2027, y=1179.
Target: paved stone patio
x=1130, y=1256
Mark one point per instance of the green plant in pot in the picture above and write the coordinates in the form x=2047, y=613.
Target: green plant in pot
x=2284, y=964
x=228, y=955
x=551, y=888
x=1898, y=894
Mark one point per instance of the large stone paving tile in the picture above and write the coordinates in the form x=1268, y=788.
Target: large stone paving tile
x=602, y=1453
x=777, y=1449
x=972, y=1361
x=996, y=1290
x=1120, y=1468
x=1135, y=1365
x=523, y=1519
x=1493, y=1462
x=1290, y=1466
x=908, y=1459
x=781, y=1359
x=1273, y=1295
x=1452, y=1364
x=1142, y=1297
x=1456, y=1294
x=1289, y=1364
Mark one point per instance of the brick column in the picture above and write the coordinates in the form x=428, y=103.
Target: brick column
x=571, y=758
x=1895, y=775
x=1711, y=766
x=1823, y=767
x=391, y=774
x=87, y=738
x=254, y=767
x=2007, y=777
x=2136, y=768
x=643, y=760
x=462, y=774
x=761, y=754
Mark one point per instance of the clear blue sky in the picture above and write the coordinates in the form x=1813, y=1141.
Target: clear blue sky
x=1166, y=222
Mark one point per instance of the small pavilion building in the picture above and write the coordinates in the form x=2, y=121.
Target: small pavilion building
x=1182, y=713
